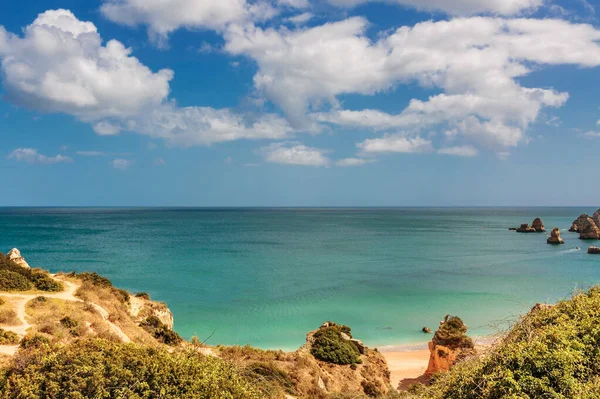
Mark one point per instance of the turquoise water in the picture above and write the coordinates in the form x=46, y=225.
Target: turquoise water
x=267, y=276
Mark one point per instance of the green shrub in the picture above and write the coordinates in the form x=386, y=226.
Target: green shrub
x=102, y=369
x=143, y=295
x=11, y=281
x=68, y=322
x=122, y=295
x=34, y=341
x=330, y=347
x=44, y=282
x=158, y=330
x=453, y=334
x=371, y=389
x=8, y=337
x=95, y=279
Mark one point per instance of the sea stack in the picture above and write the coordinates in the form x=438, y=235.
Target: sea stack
x=538, y=225
x=578, y=223
x=15, y=255
x=594, y=251
x=525, y=228
x=555, y=237
x=449, y=344
x=589, y=230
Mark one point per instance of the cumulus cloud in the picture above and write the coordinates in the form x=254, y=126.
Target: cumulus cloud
x=476, y=63
x=591, y=134
x=347, y=162
x=457, y=7
x=61, y=65
x=165, y=16
x=293, y=153
x=459, y=151
x=396, y=143
x=91, y=153
x=301, y=19
x=32, y=156
x=122, y=164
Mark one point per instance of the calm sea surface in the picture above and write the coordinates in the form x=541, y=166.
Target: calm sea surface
x=265, y=277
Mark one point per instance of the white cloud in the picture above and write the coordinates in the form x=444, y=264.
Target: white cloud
x=591, y=134
x=347, y=162
x=457, y=7
x=460, y=151
x=476, y=62
x=32, y=156
x=91, y=153
x=60, y=65
x=105, y=128
x=294, y=153
x=300, y=19
x=294, y=3
x=396, y=143
x=122, y=164
x=165, y=16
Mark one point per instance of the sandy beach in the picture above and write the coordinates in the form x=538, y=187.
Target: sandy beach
x=406, y=366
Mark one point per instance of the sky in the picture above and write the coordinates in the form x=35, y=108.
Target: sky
x=299, y=102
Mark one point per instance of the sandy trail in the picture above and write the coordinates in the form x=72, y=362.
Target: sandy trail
x=21, y=300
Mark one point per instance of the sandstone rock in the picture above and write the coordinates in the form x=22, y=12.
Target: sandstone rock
x=596, y=217
x=359, y=345
x=538, y=225
x=594, y=251
x=578, y=223
x=449, y=344
x=555, y=237
x=589, y=230
x=15, y=255
x=525, y=228
x=426, y=330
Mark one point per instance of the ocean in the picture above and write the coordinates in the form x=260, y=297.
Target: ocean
x=266, y=277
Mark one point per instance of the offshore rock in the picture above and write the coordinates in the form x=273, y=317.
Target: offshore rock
x=594, y=251
x=449, y=345
x=525, y=228
x=538, y=225
x=555, y=237
x=578, y=223
x=589, y=230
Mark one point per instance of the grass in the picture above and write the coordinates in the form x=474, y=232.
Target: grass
x=8, y=316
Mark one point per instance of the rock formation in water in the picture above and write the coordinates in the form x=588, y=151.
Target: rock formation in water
x=426, y=330
x=449, y=344
x=525, y=228
x=594, y=251
x=15, y=255
x=555, y=237
x=578, y=223
x=596, y=218
x=538, y=225
x=589, y=230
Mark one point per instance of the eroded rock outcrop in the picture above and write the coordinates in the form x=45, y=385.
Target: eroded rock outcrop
x=15, y=255
x=596, y=217
x=142, y=308
x=589, y=230
x=555, y=237
x=525, y=228
x=538, y=225
x=594, y=251
x=578, y=223
x=449, y=345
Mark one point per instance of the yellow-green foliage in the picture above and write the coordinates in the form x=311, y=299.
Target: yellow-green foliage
x=551, y=353
x=162, y=333
x=330, y=347
x=17, y=278
x=102, y=369
x=8, y=337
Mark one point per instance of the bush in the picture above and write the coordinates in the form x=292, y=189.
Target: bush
x=95, y=279
x=122, y=295
x=34, y=341
x=102, y=369
x=329, y=346
x=271, y=374
x=453, y=334
x=68, y=322
x=371, y=389
x=8, y=316
x=8, y=337
x=44, y=282
x=143, y=295
x=11, y=281
x=158, y=330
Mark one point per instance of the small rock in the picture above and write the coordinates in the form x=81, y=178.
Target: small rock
x=594, y=251
x=426, y=330
x=15, y=255
x=525, y=228
x=359, y=345
x=512, y=228
x=538, y=225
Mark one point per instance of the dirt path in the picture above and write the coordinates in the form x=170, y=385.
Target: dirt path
x=21, y=300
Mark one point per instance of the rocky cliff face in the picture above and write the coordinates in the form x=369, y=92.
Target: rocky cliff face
x=578, y=223
x=142, y=308
x=15, y=255
x=555, y=237
x=589, y=230
x=449, y=345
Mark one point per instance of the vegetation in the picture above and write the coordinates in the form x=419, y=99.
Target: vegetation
x=17, y=278
x=143, y=295
x=329, y=346
x=453, y=334
x=553, y=352
x=8, y=337
x=162, y=333
x=102, y=369
x=34, y=341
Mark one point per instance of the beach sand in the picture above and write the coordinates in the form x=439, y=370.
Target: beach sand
x=406, y=367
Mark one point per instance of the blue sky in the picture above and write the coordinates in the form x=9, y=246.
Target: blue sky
x=299, y=102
